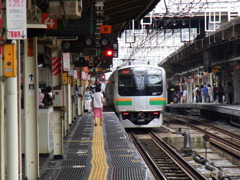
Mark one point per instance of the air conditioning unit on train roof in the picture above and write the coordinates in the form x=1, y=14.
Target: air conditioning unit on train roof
x=72, y=9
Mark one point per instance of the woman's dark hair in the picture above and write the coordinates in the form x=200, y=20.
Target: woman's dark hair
x=48, y=89
x=98, y=88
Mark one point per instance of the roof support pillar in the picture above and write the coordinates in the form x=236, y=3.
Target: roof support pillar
x=58, y=99
x=31, y=109
x=69, y=104
x=66, y=124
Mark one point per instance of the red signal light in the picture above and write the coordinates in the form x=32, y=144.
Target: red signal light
x=109, y=52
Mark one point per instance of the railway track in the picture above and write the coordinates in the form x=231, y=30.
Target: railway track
x=226, y=140
x=163, y=161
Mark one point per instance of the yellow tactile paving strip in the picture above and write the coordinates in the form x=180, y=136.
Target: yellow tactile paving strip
x=99, y=164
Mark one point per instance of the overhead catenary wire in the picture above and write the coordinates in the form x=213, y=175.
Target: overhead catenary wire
x=142, y=44
x=148, y=38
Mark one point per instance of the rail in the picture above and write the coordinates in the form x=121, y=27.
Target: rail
x=164, y=161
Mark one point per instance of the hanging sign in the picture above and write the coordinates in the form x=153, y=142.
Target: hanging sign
x=216, y=68
x=66, y=61
x=75, y=74
x=51, y=23
x=237, y=67
x=16, y=19
x=105, y=29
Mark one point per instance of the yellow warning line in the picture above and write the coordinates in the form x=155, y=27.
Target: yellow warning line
x=99, y=165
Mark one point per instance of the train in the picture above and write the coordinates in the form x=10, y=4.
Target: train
x=137, y=94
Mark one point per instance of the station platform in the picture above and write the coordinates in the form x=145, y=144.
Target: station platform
x=208, y=110
x=96, y=153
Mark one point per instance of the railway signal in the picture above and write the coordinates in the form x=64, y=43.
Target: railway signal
x=108, y=53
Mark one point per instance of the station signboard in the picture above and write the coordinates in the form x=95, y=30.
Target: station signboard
x=51, y=23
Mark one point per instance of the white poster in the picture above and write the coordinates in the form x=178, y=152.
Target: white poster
x=75, y=74
x=84, y=75
x=16, y=19
x=66, y=61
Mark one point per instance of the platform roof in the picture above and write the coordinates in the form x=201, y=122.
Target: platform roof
x=191, y=55
x=120, y=12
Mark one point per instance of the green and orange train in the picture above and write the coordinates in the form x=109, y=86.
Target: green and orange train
x=137, y=94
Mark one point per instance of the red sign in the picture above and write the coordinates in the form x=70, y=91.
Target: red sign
x=237, y=67
x=105, y=29
x=51, y=23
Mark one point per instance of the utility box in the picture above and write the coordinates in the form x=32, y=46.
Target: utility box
x=45, y=130
x=10, y=60
x=64, y=78
x=57, y=98
x=70, y=9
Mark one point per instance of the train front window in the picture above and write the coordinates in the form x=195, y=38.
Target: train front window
x=140, y=78
x=140, y=81
x=154, y=84
x=125, y=83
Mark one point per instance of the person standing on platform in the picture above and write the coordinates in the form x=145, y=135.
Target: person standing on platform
x=184, y=96
x=215, y=93
x=220, y=93
x=92, y=90
x=230, y=92
x=199, y=95
x=210, y=93
x=98, y=104
x=41, y=96
x=47, y=99
x=205, y=94
x=195, y=94
x=175, y=97
x=88, y=100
